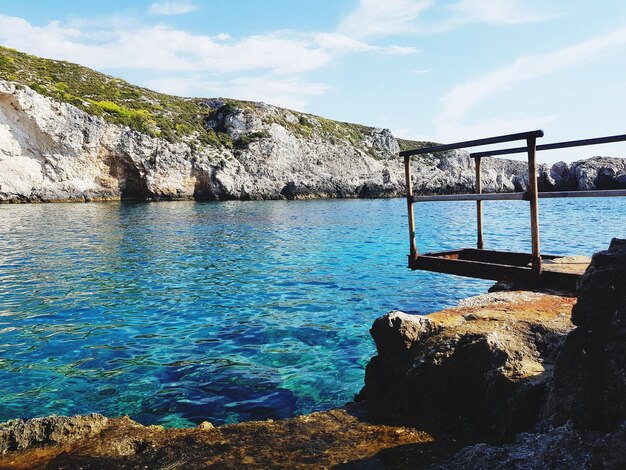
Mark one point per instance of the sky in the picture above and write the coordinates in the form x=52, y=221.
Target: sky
x=434, y=70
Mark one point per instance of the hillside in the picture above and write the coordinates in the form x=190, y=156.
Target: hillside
x=68, y=133
x=171, y=118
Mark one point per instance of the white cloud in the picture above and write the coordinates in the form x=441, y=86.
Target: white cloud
x=383, y=18
x=498, y=11
x=270, y=67
x=339, y=43
x=163, y=48
x=462, y=98
x=172, y=7
x=393, y=17
x=280, y=91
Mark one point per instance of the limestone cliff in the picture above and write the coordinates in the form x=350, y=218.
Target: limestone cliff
x=70, y=133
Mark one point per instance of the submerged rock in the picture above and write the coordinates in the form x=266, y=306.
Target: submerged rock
x=483, y=367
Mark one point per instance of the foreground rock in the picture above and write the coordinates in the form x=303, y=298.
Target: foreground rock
x=319, y=440
x=20, y=434
x=483, y=368
x=563, y=448
x=590, y=377
x=583, y=420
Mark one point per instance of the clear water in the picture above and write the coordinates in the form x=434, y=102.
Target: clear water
x=176, y=313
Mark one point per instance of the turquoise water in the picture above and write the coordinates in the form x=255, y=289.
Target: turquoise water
x=176, y=313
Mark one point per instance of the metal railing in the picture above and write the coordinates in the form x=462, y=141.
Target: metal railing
x=532, y=195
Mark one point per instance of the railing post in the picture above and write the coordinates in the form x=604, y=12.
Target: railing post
x=534, y=205
x=479, y=207
x=409, y=204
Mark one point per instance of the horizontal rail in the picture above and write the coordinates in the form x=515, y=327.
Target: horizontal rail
x=471, y=197
x=557, y=145
x=519, y=196
x=584, y=193
x=474, y=143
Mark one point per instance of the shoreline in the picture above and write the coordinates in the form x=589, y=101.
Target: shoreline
x=510, y=379
x=356, y=433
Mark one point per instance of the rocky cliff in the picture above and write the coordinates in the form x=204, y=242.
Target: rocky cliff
x=70, y=133
x=480, y=371
x=515, y=373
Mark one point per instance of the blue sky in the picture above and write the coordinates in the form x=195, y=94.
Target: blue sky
x=426, y=69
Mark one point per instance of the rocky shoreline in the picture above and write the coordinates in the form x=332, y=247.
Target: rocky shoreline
x=505, y=380
x=53, y=151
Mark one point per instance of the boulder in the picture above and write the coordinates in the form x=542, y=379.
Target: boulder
x=483, y=367
x=589, y=386
x=601, y=291
x=599, y=173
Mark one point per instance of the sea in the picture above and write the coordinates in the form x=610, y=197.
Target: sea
x=176, y=313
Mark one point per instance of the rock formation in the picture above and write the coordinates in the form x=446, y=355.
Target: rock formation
x=582, y=423
x=70, y=133
x=484, y=367
x=19, y=434
x=326, y=439
x=53, y=151
x=589, y=386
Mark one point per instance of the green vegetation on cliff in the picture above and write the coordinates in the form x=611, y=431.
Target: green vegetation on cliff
x=116, y=100
x=159, y=115
x=414, y=144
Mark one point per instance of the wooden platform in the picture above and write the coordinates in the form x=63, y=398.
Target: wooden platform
x=558, y=272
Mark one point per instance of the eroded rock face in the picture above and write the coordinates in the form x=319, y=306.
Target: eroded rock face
x=483, y=367
x=590, y=375
x=600, y=173
x=562, y=448
x=592, y=173
x=51, y=151
x=19, y=434
x=320, y=440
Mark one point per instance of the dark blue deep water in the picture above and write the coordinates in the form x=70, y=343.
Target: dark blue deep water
x=176, y=313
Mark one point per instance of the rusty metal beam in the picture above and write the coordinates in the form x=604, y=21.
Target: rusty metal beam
x=534, y=206
x=471, y=197
x=475, y=143
x=409, y=204
x=479, y=209
x=556, y=145
x=496, y=271
x=584, y=193
x=520, y=196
